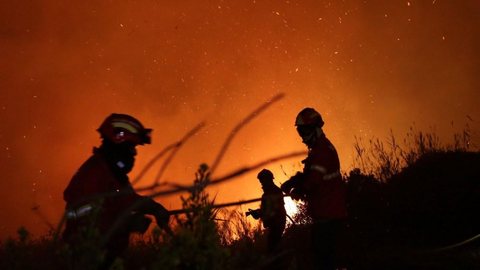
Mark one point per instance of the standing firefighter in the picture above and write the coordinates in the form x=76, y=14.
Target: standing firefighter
x=320, y=185
x=100, y=201
x=272, y=210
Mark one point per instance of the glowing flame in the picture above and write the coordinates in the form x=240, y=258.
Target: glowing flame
x=290, y=206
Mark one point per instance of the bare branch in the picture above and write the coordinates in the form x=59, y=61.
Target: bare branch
x=221, y=205
x=240, y=125
x=256, y=166
x=175, y=146
x=215, y=206
x=152, y=162
x=227, y=177
x=175, y=150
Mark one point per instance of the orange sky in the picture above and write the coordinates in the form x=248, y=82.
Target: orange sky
x=367, y=66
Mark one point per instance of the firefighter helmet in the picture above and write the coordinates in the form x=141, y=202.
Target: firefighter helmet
x=309, y=117
x=265, y=175
x=120, y=128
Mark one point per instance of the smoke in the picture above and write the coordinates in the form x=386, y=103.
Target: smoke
x=367, y=66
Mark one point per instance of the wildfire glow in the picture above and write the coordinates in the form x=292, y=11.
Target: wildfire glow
x=290, y=206
x=191, y=61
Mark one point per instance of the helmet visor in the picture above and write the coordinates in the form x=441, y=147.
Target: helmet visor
x=146, y=136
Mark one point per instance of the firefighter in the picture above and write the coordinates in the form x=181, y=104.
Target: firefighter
x=272, y=210
x=321, y=186
x=100, y=199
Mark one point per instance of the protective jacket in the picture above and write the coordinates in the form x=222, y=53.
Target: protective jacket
x=324, y=189
x=100, y=192
x=272, y=210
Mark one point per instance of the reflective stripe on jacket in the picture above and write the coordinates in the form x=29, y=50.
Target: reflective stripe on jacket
x=324, y=188
x=96, y=183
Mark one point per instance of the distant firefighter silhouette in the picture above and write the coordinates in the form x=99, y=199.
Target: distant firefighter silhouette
x=320, y=185
x=100, y=199
x=271, y=211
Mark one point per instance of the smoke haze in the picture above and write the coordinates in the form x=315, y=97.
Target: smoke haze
x=366, y=66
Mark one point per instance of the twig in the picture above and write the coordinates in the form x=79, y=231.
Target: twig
x=215, y=206
x=224, y=178
x=240, y=125
x=224, y=205
x=152, y=162
x=175, y=146
x=175, y=150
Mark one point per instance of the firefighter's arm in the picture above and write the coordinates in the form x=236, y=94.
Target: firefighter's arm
x=313, y=176
x=150, y=207
x=254, y=213
x=161, y=214
x=292, y=183
x=294, y=186
x=147, y=206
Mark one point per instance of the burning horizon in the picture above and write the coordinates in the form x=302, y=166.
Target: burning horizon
x=366, y=66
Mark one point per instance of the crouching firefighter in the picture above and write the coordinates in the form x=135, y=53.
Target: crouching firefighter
x=321, y=186
x=100, y=199
x=272, y=210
